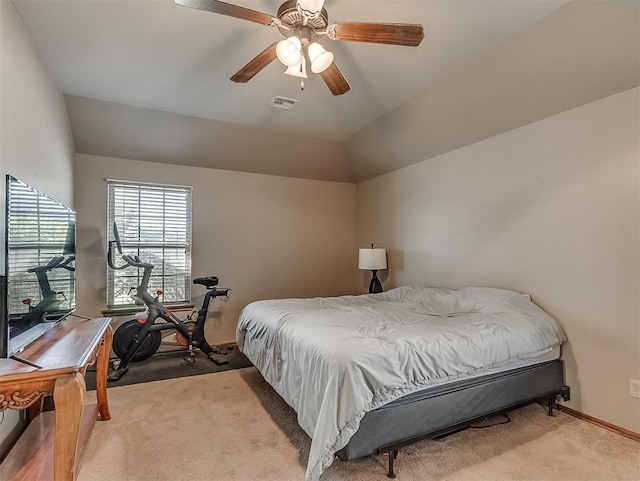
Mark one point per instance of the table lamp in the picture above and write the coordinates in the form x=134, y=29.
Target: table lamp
x=373, y=260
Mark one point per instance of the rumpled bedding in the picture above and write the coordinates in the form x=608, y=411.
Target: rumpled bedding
x=334, y=359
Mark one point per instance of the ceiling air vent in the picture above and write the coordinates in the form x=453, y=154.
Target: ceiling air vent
x=283, y=103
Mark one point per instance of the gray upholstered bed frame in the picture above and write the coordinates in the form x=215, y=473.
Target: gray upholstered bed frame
x=443, y=409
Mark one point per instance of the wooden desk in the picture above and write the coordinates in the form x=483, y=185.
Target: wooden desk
x=52, y=446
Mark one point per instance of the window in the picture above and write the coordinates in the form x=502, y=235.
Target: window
x=154, y=223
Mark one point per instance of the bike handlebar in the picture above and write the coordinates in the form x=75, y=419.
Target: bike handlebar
x=55, y=262
x=110, y=258
x=129, y=259
x=65, y=264
x=135, y=261
x=219, y=292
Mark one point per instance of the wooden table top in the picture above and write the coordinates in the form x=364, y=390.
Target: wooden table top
x=66, y=347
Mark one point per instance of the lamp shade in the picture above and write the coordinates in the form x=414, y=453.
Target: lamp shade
x=298, y=70
x=289, y=51
x=320, y=58
x=372, y=259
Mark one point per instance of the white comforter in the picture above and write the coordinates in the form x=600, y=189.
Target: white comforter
x=334, y=359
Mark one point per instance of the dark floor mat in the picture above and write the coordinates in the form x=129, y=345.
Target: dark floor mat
x=167, y=365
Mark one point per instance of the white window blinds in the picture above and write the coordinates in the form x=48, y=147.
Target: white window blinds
x=154, y=223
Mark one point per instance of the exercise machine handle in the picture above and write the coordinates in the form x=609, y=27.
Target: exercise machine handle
x=136, y=262
x=52, y=264
x=219, y=292
x=110, y=251
x=110, y=258
x=65, y=264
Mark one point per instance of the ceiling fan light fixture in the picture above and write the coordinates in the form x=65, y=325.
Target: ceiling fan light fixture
x=303, y=22
x=289, y=51
x=320, y=58
x=298, y=70
x=310, y=8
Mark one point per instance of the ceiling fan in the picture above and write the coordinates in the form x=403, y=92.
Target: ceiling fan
x=302, y=23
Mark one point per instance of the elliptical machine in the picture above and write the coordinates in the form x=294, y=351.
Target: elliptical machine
x=138, y=339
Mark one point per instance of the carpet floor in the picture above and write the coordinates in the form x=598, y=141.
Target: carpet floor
x=232, y=426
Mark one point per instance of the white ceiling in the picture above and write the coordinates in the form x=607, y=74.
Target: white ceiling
x=158, y=55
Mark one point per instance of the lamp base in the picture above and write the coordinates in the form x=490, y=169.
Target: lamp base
x=375, y=287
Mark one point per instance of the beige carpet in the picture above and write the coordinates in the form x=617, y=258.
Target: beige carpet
x=232, y=426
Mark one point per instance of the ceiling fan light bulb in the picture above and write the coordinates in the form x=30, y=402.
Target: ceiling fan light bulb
x=289, y=51
x=320, y=58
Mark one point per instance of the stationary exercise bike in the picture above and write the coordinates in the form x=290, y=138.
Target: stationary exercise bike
x=48, y=309
x=138, y=339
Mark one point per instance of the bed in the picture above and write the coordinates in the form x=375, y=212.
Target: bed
x=367, y=374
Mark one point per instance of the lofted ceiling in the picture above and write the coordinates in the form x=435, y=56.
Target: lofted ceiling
x=162, y=56
x=150, y=80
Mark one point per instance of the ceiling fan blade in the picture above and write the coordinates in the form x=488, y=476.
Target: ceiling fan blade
x=405, y=34
x=256, y=64
x=334, y=79
x=230, y=10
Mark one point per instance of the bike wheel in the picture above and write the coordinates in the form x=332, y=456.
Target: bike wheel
x=124, y=335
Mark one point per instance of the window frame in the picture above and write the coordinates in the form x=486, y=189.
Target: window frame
x=121, y=201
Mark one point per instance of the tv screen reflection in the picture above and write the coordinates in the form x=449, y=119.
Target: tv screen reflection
x=40, y=254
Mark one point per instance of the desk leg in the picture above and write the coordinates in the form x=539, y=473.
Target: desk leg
x=35, y=409
x=102, y=366
x=68, y=396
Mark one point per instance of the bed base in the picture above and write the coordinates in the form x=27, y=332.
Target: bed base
x=393, y=450
x=443, y=410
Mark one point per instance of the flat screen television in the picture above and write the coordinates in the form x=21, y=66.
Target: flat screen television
x=39, y=289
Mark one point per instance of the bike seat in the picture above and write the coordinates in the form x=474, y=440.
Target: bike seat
x=210, y=281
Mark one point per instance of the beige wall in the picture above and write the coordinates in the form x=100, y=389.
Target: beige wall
x=35, y=140
x=582, y=52
x=115, y=130
x=552, y=209
x=263, y=236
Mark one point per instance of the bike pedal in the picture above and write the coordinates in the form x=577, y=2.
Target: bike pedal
x=116, y=374
x=189, y=361
x=224, y=350
x=217, y=359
